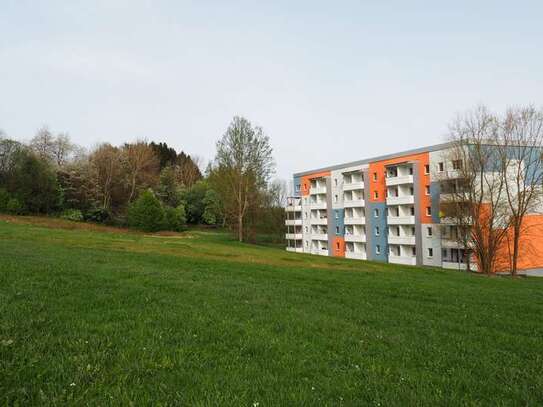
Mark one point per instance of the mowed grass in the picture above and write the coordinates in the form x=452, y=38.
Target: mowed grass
x=98, y=316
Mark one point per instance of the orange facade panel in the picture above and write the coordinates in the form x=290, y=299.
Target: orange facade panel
x=305, y=183
x=339, y=247
x=377, y=181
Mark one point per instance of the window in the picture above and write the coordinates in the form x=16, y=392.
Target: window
x=430, y=252
x=414, y=251
x=429, y=231
x=307, y=243
x=337, y=245
x=375, y=176
x=377, y=231
x=412, y=210
x=440, y=166
x=428, y=211
x=427, y=169
x=410, y=170
x=411, y=191
x=376, y=212
x=427, y=190
x=337, y=214
x=306, y=229
x=297, y=187
x=337, y=232
x=305, y=213
x=336, y=198
x=457, y=164
x=375, y=194
x=377, y=249
x=335, y=182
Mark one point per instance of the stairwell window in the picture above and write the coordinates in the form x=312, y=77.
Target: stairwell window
x=427, y=169
x=376, y=194
x=376, y=212
x=427, y=190
x=441, y=167
x=428, y=211
x=377, y=231
x=430, y=252
x=375, y=176
x=378, y=249
x=414, y=251
x=429, y=231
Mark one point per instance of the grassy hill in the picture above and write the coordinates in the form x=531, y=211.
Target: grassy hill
x=100, y=316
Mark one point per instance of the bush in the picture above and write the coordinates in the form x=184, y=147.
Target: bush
x=146, y=213
x=14, y=207
x=97, y=215
x=4, y=199
x=72, y=214
x=176, y=218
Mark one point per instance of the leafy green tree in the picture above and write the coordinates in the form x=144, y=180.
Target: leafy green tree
x=14, y=207
x=169, y=191
x=176, y=219
x=194, y=199
x=146, y=213
x=4, y=199
x=212, y=208
x=34, y=183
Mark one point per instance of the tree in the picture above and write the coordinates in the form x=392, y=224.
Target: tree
x=9, y=150
x=188, y=170
x=62, y=149
x=169, y=191
x=167, y=156
x=213, y=212
x=34, y=184
x=106, y=168
x=476, y=204
x=520, y=147
x=43, y=143
x=243, y=166
x=142, y=167
x=146, y=213
x=175, y=218
x=194, y=201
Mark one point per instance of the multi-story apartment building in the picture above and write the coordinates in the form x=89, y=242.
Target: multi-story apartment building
x=383, y=209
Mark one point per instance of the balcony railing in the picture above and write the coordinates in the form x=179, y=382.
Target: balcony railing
x=294, y=236
x=317, y=205
x=295, y=249
x=293, y=208
x=353, y=186
x=319, y=221
x=353, y=203
x=354, y=221
x=293, y=222
x=317, y=190
x=401, y=200
x=401, y=220
x=355, y=255
x=402, y=179
x=319, y=236
x=407, y=240
x=408, y=260
x=355, y=238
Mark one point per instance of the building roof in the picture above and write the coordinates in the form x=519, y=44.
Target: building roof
x=435, y=147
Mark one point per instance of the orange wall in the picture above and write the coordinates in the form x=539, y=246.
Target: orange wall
x=531, y=246
x=339, y=252
x=380, y=185
x=306, y=181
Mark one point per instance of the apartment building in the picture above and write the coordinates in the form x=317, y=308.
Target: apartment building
x=384, y=209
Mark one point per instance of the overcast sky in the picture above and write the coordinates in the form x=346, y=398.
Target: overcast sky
x=328, y=81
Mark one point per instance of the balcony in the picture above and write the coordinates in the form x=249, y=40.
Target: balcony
x=447, y=243
x=354, y=221
x=401, y=200
x=293, y=208
x=295, y=249
x=407, y=260
x=403, y=179
x=466, y=220
x=356, y=255
x=317, y=205
x=408, y=240
x=401, y=220
x=353, y=203
x=353, y=185
x=319, y=221
x=317, y=190
x=449, y=264
x=319, y=236
x=294, y=236
x=355, y=238
x=320, y=252
x=293, y=222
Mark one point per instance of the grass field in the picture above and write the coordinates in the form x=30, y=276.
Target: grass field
x=97, y=316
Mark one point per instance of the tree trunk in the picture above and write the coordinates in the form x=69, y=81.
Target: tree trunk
x=516, y=239
x=240, y=227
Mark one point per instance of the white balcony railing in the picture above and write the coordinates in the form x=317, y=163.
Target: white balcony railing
x=317, y=205
x=353, y=203
x=294, y=236
x=408, y=240
x=401, y=200
x=402, y=179
x=401, y=220
x=356, y=255
x=319, y=221
x=355, y=238
x=408, y=260
x=355, y=221
x=319, y=236
x=293, y=208
x=295, y=249
x=353, y=186
x=293, y=222
x=317, y=190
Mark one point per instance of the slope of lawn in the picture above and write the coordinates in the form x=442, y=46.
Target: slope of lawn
x=97, y=316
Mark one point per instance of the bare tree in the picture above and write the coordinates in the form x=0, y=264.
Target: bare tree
x=244, y=163
x=62, y=149
x=142, y=166
x=43, y=143
x=520, y=147
x=106, y=168
x=477, y=202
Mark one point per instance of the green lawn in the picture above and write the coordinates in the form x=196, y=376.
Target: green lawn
x=118, y=318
